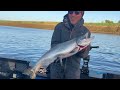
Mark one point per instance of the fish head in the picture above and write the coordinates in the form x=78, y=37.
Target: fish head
x=80, y=38
x=84, y=41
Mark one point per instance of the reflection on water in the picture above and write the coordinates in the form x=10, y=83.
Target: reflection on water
x=30, y=44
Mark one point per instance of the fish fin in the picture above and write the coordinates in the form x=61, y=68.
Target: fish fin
x=61, y=62
x=86, y=35
x=33, y=74
x=30, y=72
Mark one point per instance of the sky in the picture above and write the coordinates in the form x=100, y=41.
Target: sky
x=57, y=16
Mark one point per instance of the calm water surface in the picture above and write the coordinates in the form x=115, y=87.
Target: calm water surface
x=30, y=44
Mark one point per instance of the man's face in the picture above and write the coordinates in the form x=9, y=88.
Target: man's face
x=74, y=16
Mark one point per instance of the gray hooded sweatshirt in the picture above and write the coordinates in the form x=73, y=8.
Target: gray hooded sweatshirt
x=65, y=31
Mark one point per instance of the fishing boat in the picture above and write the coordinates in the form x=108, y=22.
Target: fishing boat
x=14, y=69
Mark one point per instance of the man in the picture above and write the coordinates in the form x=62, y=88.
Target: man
x=71, y=27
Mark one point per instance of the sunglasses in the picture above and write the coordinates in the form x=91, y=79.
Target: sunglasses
x=76, y=12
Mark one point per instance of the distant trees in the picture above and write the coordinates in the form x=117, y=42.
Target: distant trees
x=108, y=21
x=119, y=21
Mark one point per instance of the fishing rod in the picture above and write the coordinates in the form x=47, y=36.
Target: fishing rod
x=94, y=47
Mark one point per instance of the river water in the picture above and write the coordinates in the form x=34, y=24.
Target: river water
x=30, y=44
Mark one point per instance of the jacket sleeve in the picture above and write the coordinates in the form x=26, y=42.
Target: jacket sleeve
x=84, y=53
x=56, y=37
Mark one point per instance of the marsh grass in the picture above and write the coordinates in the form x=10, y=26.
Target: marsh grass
x=110, y=28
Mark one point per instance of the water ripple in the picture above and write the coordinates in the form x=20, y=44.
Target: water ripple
x=30, y=44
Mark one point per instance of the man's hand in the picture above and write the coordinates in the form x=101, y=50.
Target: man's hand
x=84, y=53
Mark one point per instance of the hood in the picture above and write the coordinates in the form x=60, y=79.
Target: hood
x=67, y=23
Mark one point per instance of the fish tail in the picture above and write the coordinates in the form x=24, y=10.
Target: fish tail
x=33, y=74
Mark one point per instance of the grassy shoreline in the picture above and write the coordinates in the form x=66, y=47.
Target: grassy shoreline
x=107, y=28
